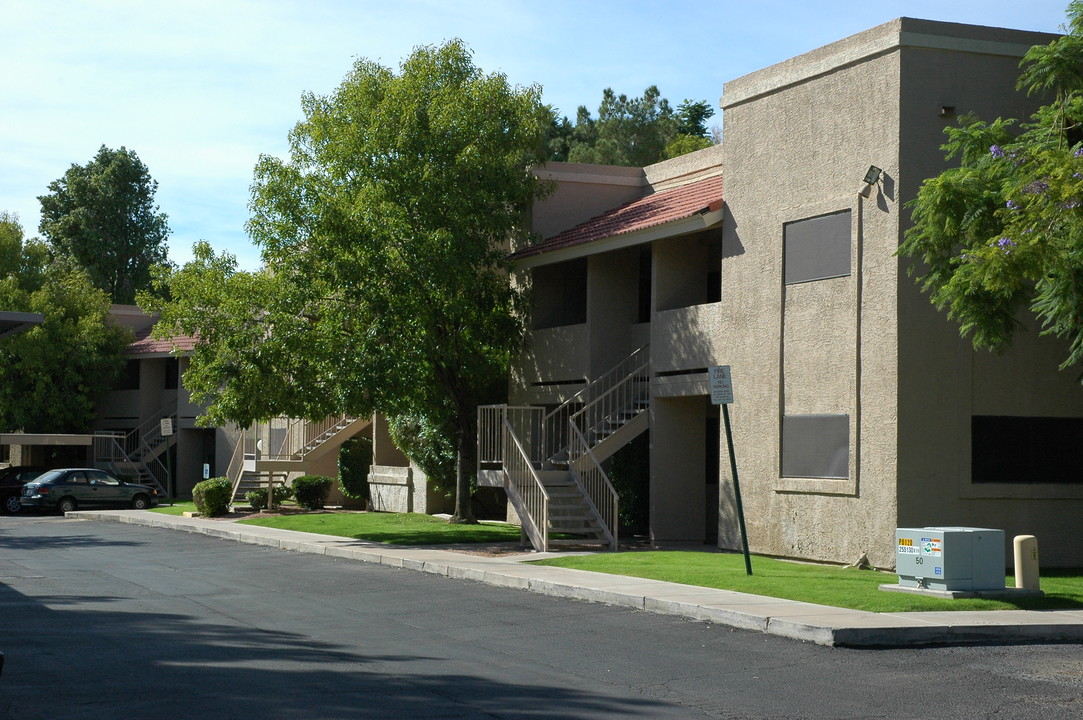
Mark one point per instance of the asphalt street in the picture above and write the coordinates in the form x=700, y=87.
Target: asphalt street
x=109, y=620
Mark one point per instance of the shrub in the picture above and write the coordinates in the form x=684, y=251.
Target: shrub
x=258, y=498
x=311, y=491
x=354, y=460
x=212, y=497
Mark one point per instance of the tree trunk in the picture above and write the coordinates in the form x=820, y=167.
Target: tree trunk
x=464, y=461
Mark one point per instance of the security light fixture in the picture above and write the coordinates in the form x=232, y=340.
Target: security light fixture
x=871, y=178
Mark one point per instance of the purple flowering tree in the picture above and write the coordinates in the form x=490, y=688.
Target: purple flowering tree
x=1001, y=235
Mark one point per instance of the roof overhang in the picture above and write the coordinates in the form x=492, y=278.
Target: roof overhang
x=702, y=220
x=45, y=439
x=16, y=322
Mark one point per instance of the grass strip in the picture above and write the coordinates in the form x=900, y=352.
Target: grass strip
x=390, y=528
x=824, y=585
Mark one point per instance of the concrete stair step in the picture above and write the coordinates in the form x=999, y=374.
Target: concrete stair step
x=580, y=542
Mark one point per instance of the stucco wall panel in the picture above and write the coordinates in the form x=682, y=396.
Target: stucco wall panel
x=943, y=382
x=818, y=347
x=553, y=354
x=687, y=338
x=796, y=153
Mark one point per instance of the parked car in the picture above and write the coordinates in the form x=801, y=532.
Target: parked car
x=70, y=488
x=12, y=480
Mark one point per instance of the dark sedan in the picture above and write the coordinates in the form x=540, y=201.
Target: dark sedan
x=72, y=488
x=12, y=480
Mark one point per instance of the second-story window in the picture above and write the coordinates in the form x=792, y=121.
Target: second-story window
x=560, y=294
x=172, y=373
x=129, y=376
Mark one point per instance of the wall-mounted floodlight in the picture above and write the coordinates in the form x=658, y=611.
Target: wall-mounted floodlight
x=871, y=178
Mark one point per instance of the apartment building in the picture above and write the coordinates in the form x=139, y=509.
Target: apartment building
x=858, y=408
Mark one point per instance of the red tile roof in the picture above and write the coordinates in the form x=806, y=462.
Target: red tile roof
x=144, y=344
x=662, y=207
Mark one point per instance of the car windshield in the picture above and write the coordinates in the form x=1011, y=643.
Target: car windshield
x=47, y=476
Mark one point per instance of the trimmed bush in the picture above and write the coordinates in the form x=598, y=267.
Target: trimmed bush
x=354, y=461
x=258, y=498
x=212, y=497
x=311, y=491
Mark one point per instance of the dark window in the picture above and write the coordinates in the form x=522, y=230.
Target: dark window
x=172, y=373
x=644, y=314
x=1026, y=450
x=817, y=248
x=714, y=271
x=129, y=376
x=560, y=294
x=816, y=446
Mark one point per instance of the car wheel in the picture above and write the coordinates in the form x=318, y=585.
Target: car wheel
x=66, y=505
x=12, y=504
x=140, y=502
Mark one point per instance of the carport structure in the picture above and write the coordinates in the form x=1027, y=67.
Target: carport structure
x=16, y=322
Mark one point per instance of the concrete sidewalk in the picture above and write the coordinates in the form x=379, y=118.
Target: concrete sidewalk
x=820, y=624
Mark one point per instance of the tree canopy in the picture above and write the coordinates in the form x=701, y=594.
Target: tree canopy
x=631, y=131
x=383, y=236
x=52, y=375
x=103, y=215
x=1003, y=232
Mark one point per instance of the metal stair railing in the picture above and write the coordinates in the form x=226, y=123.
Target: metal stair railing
x=140, y=449
x=608, y=412
x=110, y=452
x=524, y=485
x=594, y=483
x=149, y=434
x=302, y=436
x=556, y=426
x=235, y=469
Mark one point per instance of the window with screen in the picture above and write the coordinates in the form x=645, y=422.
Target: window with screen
x=816, y=446
x=817, y=248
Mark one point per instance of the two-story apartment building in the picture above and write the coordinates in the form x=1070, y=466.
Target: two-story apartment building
x=858, y=406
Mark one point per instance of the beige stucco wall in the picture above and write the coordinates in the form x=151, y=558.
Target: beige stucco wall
x=799, y=137
x=797, y=147
x=580, y=192
x=943, y=382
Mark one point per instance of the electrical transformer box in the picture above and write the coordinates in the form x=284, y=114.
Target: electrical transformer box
x=950, y=558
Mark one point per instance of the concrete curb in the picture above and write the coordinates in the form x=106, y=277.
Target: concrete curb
x=806, y=622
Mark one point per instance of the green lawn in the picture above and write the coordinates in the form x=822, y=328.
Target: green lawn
x=391, y=528
x=179, y=507
x=824, y=585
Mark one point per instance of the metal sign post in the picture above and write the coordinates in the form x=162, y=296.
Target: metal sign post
x=722, y=394
x=167, y=430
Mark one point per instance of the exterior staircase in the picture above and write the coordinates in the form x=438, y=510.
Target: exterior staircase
x=268, y=453
x=550, y=464
x=137, y=455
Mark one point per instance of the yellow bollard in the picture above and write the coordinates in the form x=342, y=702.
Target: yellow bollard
x=1026, y=562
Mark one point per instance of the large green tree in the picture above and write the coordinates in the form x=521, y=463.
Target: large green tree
x=383, y=236
x=103, y=215
x=1002, y=233
x=630, y=131
x=52, y=376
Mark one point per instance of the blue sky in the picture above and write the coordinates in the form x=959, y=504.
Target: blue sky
x=200, y=88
